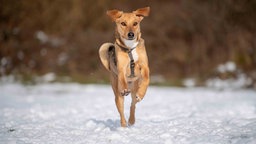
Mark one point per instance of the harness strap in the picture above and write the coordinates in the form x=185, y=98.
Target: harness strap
x=132, y=63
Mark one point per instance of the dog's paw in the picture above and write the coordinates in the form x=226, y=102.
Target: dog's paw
x=138, y=98
x=125, y=92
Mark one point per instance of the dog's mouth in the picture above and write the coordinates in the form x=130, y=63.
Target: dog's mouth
x=131, y=39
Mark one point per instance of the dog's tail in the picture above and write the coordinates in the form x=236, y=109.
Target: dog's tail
x=105, y=54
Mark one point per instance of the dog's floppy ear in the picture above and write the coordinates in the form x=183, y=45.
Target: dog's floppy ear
x=114, y=14
x=142, y=11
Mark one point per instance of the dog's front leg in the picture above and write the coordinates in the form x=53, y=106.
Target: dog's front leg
x=133, y=106
x=120, y=107
x=122, y=83
x=119, y=100
x=143, y=84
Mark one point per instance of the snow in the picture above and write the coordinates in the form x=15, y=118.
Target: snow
x=48, y=77
x=67, y=113
x=241, y=81
x=42, y=37
x=227, y=67
x=52, y=40
x=189, y=82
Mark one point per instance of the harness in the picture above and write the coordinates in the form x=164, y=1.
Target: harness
x=132, y=63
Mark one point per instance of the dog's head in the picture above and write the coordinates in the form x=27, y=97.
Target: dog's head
x=128, y=24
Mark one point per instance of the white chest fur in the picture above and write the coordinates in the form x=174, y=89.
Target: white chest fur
x=132, y=44
x=135, y=55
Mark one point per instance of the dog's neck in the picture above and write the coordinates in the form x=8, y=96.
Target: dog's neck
x=130, y=43
x=127, y=45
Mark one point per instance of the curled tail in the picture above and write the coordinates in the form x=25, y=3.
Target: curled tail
x=107, y=55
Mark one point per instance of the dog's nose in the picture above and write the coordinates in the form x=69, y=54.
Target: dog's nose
x=130, y=35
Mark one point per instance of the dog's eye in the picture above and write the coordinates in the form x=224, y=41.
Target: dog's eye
x=135, y=23
x=123, y=23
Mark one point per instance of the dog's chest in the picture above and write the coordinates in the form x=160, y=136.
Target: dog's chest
x=132, y=44
x=135, y=55
x=135, y=70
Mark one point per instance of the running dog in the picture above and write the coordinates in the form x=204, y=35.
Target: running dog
x=127, y=60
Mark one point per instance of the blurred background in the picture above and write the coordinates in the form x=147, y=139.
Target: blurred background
x=189, y=42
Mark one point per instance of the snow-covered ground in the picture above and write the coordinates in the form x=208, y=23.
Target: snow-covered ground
x=74, y=113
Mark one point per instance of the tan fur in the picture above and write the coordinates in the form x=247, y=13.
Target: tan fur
x=119, y=71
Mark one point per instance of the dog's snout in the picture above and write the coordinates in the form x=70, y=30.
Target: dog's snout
x=130, y=35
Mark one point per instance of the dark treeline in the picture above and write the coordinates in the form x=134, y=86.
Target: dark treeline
x=183, y=38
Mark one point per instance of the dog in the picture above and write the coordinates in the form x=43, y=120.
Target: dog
x=126, y=60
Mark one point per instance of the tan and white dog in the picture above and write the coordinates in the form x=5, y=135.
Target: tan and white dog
x=127, y=60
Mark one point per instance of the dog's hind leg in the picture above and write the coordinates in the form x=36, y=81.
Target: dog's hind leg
x=119, y=101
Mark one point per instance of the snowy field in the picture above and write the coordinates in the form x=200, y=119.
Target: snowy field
x=86, y=114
